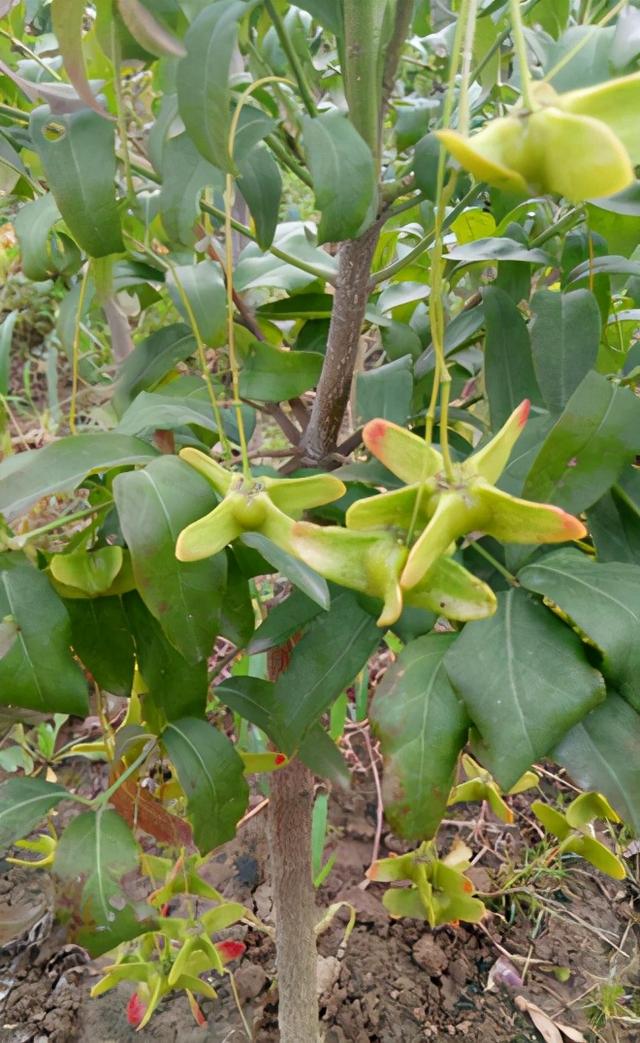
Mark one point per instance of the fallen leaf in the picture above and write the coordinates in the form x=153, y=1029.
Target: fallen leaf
x=545, y=1026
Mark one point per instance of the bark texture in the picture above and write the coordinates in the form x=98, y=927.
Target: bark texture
x=290, y=808
x=349, y=303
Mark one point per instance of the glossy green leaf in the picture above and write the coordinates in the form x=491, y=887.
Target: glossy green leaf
x=614, y=521
x=603, y=600
x=6, y=337
x=271, y=375
x=175, y=686
x=204, y=95
x=601, y=753
x=99, y=846
x=320, y=753
x=150, y=361
x=61, y=466
x=422, y=727
x=101, y=638
x=343, y=174
x=508, y=365
x=565, y=334
x=154, y=505
x=331, y=653
x=283, y=620
x=237, y=617
x=212, y=776
x=301, y=575
x=204, y=288
x=385, y=392
x=90, y=572
x=525, y=680
x=33, y=224
x=252, y=698
x=185, y=174
x=38, y=671
x=24, y=802
x=581, y=457
x=260, y=185
x=149, y=32
x=11, y=167
x=327, y=12
x=497, y=248
x=67, y=17
x=80, y=164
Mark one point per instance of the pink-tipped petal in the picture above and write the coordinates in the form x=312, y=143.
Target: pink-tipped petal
x=403, y=453
x=490, y=461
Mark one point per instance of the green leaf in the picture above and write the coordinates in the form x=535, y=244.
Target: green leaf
x=212, y=776
x=422, y=727
x=61, y=466
x=426, y=157
x=38, y=671
x=331, y=653
x=101, y=638
x=99, y=846
x=185, y=174
x=260, y=184
x=148, y=31
x=385, y=392
x=283, y=620
x=320, y=753
x=23, y=804
x=67, y=17
x=614, y=521
x=271, y=375
x=603, y=600
x=150, y=361
x=525, y=680
x=154, y=506
x=80, y=164
x=88, y=572
x=148, y=412
x=601, y=753
x=11, y=167
x=508, y=366
x=252, y=698
x=565, y=334
x=497, y=249
x=203, y=79
x=327, y=12
x=237, y=617
x=204, y=289
x=343, y=174
x=33, y=224
x=581, y=457
x=6, y=337
x=306, y=579
x=175, y=686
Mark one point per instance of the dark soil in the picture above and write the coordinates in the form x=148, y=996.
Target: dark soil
x=396, y=980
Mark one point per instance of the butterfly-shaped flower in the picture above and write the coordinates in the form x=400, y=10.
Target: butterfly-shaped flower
x=444, y=509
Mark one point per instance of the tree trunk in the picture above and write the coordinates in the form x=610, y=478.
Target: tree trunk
x=294, y=904
x=349, y=303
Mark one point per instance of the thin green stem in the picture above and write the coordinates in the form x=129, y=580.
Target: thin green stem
x=520, y=48
x=428, y=240
x=571, y=218
x=294, y=61
x=75, y=351
x=290, y=161
x=583, y=41
x=105, y=797
x=18, y=45
x=12, y=113
x=59, y=523
x=498, y=566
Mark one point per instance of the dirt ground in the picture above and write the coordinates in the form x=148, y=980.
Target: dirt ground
x=566, y=941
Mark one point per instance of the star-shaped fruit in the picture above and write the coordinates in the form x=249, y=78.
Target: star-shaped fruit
x=372, y=562
x=445, y=509
x=264, y=505
x=581, y=144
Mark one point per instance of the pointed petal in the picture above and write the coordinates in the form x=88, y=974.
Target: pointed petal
x=520, y=521
x=490, y=461
x=451, y=591
x=561, y=140
x=369, y=563
x=293, y=495
x=495, y=154
x=396, y=509
x=208, y=535
x=615, y=103
x=403, y=453
x=277, y=526
x=453, y=518
x=215, y=474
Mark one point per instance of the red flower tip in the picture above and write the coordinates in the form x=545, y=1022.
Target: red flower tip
x=573, y=527
x=135, y=1010
x=230, y=950
x=525, y=409
x=164, y=910
x=280, y=758
x=373, y=433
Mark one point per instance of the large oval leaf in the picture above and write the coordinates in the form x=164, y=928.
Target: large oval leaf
x=565, y=334
x=23, y=804
x=343, y=173
x=525, y=680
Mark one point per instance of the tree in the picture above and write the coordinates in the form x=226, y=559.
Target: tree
x=225, y=195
